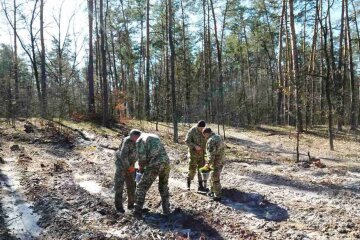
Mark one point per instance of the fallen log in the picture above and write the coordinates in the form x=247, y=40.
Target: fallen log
x=82, y=134
x=108, y=147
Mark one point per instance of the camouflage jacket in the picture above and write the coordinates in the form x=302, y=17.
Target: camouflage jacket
x=126, y=155
x=150, y=151
x=215, y=149
x=194, y=137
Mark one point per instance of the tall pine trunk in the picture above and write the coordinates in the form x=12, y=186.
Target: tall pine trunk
x=220, y=97
x=280, y=89
x=354, y=93
x=90, y=73
x=16, y=73
x=147, y=67
x=295, y=68
x=172, y=71
x=105, y=117
x=42, y=64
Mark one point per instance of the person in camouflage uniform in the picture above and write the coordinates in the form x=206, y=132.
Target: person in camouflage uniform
x=196, y=144
x=125, y=159
x=215, y=150
x=153, y=162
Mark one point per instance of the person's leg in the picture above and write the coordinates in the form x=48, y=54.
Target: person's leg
x=192, y=170
x=119, y=187
x=130, y=188
x=164, y=188
x=215, y=181
x=200, y=162
x=147, y=179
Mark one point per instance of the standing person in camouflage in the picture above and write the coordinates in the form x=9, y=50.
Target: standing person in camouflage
x=153, y=162
x=215, y=149
x=125, y=159
x=196, y=143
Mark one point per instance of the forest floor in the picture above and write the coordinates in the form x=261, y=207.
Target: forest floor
x=57, y=183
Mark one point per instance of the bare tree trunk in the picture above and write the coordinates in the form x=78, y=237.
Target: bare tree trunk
x=90, y=73
x=358, y=41
x=220, y=102
x=328, y=78
x=306, y=78
x=212, y=109
x=186, y=68
x=147, y=67
x=116, y=83
x=312, y=67
x=140, y=94
x=167, y=67
x=354, y=93
x=42, y=63
x=295, y=68
x=10, y=109
x=322, y=84
x=288, y=79
x=105, y=117
x=339, y=75
x=280, y=70
x=16, y=73
x=172, y=76
x=205, y=64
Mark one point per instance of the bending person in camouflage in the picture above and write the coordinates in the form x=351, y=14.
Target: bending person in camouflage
x=153, y=162
x=215, y=149
x=125, y=159
x=196, y=144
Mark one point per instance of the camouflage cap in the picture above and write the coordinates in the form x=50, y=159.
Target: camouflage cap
x=135, y=132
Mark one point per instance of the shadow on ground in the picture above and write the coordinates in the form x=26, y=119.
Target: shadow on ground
x=255, y=204
x=183, y=224
x=277, y=180
x=264, y=147
x=267, y=148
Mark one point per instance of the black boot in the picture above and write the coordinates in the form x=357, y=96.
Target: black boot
x=201, y=187
x=119, y=208
x=188, y=184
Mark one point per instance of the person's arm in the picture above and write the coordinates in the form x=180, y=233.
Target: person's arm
x=189, y=140
x=210, y=151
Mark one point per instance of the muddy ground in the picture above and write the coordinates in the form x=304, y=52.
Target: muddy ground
x=57, y=183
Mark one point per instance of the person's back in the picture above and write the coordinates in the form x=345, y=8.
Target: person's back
x=216, y=145
x=150, y=150
x=126, y=154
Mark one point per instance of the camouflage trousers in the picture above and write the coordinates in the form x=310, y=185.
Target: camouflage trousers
x=195, y=163
x=215, y=180
x=149, y=176
x=124, y=177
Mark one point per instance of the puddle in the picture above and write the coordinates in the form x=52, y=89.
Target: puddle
x=21, y=220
